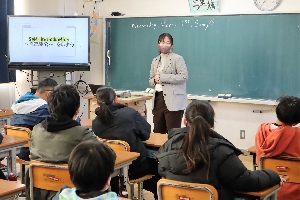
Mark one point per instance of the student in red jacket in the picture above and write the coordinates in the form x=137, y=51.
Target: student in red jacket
x=282, y=138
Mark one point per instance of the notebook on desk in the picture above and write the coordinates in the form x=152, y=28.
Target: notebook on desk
x=94, y=88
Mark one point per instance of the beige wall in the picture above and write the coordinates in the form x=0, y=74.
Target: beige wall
x=230, y=117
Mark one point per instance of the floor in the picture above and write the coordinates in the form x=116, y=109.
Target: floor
x=247, y=160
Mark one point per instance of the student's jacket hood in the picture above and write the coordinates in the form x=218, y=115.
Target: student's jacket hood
x=56, y=122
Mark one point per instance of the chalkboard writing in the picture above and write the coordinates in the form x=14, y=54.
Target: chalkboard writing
x=252, y=56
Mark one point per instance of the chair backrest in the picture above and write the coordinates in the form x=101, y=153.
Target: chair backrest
x=177, y=190
x=283, y=165
x=117, y=145
x=18, y=132
x=48, y=176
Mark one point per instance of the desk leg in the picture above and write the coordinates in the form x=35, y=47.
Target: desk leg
x=13, y=155
x=254, y=160
x=126, y=178
x=125, y=174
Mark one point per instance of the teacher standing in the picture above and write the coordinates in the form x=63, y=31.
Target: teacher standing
x=168, y=74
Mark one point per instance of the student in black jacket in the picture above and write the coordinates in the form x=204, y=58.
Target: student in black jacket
x=197, y=154
x=118, y=122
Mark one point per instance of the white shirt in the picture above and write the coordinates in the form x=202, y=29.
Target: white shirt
x=160, y=67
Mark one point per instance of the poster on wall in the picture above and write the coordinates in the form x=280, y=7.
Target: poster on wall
x=197, y=6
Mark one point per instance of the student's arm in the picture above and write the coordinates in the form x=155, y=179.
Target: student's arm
x=143, y=128
x=236, y=176
x=89, y=135
x=181, y=75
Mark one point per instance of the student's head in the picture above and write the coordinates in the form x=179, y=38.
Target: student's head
x=45, y=87
x=288, y=110
x=200, y=118
x=64, y=100
x=91, y=164
x=200, y=108
x=165, y=43
x=105, y=96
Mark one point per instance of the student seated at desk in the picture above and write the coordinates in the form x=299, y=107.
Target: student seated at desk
x=91, y=165
x=193, y=154
x=118, y=122
x=281, y=138
x=31, y=109
x=55, y=137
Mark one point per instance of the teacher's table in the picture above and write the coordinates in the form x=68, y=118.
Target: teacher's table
x=123, y=160
x=136, y=102
x=11, y=146
x=155, y=141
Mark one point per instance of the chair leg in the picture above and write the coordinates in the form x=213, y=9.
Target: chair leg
x=22, y=173
x=131, y=191
x=140, y=190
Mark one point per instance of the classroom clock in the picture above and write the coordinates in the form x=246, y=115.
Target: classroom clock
x=266, y=5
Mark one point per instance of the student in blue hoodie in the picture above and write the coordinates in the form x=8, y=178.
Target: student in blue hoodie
x=31, y=109
x=91, y=165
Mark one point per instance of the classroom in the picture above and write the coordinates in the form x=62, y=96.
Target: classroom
x=237, y=119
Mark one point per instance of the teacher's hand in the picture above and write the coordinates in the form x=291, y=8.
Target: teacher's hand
x=157, y=78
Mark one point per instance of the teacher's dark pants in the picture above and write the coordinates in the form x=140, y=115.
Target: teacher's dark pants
x=163, y=119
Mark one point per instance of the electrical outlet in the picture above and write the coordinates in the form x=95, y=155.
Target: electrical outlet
x=242, y=134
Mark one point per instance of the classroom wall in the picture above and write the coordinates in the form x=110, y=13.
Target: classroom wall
x=230, y=117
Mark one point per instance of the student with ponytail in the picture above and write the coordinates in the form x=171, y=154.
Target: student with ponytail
x=198, y=154
x=118, y=122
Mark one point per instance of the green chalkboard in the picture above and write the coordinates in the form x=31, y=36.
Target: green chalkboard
x=252, y=56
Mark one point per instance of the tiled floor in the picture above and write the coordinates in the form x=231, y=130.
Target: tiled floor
x=247, y=160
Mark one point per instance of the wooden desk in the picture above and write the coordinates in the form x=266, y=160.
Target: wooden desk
x=269, y=193
x=5, y=116
x=86, y=122
x=136, y=102
x=11, y=146
x=156, y=140
x=10, y=189
x=123, y=160
x=6, y=113
x=252, y=151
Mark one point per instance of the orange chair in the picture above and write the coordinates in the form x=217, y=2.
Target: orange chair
x=119, y=145
x=48, y=176
x=283, y=165
x=174, y=190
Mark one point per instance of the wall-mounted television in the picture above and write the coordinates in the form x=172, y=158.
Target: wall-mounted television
x=49, y=43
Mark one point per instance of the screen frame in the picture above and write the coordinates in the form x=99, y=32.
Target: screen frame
x=48, y=65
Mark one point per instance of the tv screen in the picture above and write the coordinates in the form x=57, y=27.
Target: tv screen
x=49, y=42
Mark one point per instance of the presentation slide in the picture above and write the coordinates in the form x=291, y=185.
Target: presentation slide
x=48, y=40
